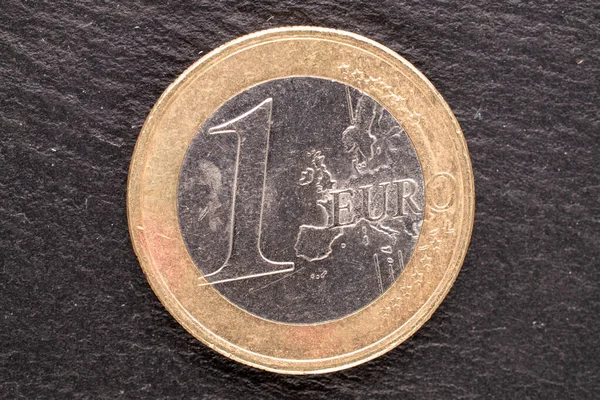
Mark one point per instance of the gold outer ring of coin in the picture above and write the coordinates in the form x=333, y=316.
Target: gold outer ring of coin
x=278, y=53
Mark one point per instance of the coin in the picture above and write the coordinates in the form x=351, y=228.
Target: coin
x=301, y=199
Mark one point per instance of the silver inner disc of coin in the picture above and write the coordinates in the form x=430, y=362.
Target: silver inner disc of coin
x=301, y=200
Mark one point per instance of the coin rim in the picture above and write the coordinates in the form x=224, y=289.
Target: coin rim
x=247, y=356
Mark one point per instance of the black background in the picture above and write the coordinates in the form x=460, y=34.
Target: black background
x=77, y=317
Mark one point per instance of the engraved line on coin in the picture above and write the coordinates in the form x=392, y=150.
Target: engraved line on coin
x=349, y=99
x=400, y=264
x=278, y=280
x=378, y=270
x=245, y=258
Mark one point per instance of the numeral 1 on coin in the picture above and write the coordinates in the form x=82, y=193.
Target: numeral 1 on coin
x=245, y=258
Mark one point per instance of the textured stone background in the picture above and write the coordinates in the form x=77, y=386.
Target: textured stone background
x=77, y=317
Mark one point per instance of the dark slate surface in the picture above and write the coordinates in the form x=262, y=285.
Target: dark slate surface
x=78, y=320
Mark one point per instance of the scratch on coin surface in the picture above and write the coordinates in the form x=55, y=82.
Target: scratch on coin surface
x=278, y=280
x=165, y=236
x=203, y=213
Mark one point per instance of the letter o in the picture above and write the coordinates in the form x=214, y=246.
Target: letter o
x=444, y=184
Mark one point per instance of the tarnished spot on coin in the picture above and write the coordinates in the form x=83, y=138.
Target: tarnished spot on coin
x=301, y=199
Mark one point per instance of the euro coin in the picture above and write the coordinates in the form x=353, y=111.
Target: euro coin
x=301, y=199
